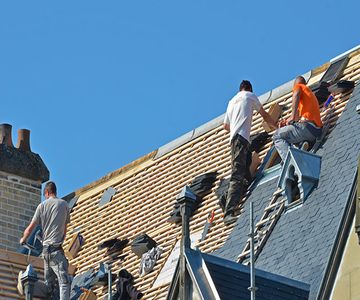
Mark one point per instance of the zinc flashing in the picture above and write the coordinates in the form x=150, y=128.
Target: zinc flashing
x=281, y=90
x=264, y=97
x=286, y=88
x=174, y=144
x=307, y=75
x=350, y=53
x=188, y=137
x=208, y=126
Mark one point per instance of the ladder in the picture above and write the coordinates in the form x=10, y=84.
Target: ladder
x=264, y=227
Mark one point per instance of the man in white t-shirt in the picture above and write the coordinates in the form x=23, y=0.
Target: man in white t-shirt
x=238, y=120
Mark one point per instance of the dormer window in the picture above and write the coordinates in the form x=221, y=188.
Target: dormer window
x=299, y=176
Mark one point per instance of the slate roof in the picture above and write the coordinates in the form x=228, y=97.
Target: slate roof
x=301, y=244
x=218, y=278
x=232, y=281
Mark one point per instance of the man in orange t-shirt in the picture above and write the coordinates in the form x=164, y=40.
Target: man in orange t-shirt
x=304, y=123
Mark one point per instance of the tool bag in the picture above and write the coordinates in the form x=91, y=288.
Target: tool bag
x=141, y=244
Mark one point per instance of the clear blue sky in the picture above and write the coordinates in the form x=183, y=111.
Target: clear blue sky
x=101, y=83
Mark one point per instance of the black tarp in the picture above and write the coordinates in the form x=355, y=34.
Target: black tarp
x=201, y=186
x=341, y=86
x=142, y=244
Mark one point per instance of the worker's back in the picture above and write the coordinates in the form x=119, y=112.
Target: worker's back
x=240, y=112
x=308, y=105
x=52, y=215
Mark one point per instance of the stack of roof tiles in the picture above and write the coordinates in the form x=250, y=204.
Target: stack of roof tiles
x=200, y=186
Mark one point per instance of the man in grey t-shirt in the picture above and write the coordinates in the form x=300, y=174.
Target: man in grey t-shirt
x=53, y=216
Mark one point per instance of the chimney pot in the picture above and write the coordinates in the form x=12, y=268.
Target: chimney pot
x=23, y=142
x=5, y=135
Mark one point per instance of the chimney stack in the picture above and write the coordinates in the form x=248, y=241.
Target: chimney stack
x=23, y=142
x=21, y=175
x=5, y=135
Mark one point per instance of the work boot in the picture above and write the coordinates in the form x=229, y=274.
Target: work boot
x=305, y=146
x=19, y=284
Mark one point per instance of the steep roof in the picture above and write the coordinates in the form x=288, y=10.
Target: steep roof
x=147, y=189
x=217, y=278
x=301, y=244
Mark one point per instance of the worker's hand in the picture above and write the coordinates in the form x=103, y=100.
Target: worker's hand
x=282, y=123
x=22, y=241
x=290, y=121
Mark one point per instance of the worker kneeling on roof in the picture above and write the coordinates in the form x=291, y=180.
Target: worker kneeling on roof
x=304, y=123
x=53, y=215
x=238, y=120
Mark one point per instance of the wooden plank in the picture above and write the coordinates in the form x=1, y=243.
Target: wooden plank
x=275, y=112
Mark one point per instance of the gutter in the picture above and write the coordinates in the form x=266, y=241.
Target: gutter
x=339, y=245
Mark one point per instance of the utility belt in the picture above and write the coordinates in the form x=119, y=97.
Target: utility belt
x=51, y=248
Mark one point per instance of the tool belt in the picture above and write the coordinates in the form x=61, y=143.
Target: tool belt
x=51, y=248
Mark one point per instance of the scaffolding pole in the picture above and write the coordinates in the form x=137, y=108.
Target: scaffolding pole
x=252, y=288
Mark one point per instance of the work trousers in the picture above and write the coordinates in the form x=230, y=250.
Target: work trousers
x=56, y=267
x=240, y=173
x=294, y=134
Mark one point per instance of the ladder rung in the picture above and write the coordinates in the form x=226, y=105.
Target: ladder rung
x=274, y=204
x=247, y=252
x=261, y=222
x=262, y=235
x=278, y=191
x=244, y=254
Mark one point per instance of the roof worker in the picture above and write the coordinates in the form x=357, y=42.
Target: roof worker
x=53, y=215
x=304, y=124
x=238, y=121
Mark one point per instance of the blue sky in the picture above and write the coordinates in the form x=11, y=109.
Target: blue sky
x=101, y=83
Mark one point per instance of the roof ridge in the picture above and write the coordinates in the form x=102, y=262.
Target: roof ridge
x=351, y=51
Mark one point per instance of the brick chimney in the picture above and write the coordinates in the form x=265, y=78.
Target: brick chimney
x=21, y=174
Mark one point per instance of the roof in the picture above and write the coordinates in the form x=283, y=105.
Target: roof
x=10, y=265
x=301, y=243
x=230, y=280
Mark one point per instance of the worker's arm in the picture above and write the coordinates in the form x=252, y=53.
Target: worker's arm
x=226, y=127
x=294, y=106
x=267, y=118
x=27, y=232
